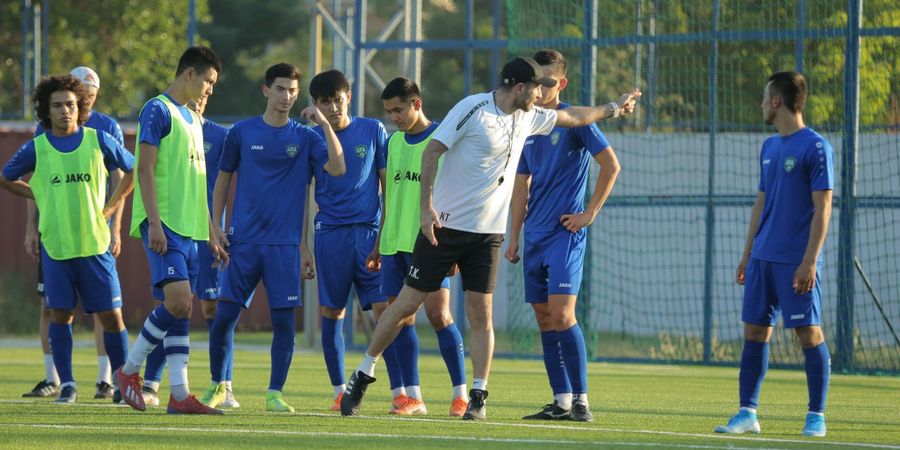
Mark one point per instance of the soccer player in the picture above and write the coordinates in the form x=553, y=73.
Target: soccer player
x=403, y=102
x=274, y=157
x=781, y=262
x=70, y=165
x=482, y=137
x=170, y=215
x=551, y=181
x=207, y=283
x=100, y=122
x=346, y=226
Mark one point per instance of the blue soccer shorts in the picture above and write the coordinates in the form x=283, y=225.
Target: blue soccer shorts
x=93, y=278
x=341, y=253
x=769, y=291
x=207, y=284
x=553, y=263
x=278, y=266
x=178, y=264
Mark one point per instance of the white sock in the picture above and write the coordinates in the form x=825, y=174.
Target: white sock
x=817, y=413
x=582, y=398
x=339, y=389
x=459, y=391
x=180, y=391
x=480, y=384
x=104, y=371
x=750, y=410
x=50, y=370
x=564, y=400
x=396, y=392
x=70, y=383
x=368, y=365
x=138, y=354
x=152, y=385
x=228, y=385
x=178, y=366
x=414, y=392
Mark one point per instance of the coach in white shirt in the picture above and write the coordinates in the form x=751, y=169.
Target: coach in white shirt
x=482, y=137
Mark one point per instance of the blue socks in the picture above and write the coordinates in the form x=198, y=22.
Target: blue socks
x=282, y=351
x=754, y=363
x=61, y=347
x=554, y=362
x=221, y=338
x=333, y=349
x=407, y=347
x=156, y=362
x=451, y=343
x=818, y=370
x=392, y=364
x=574, y=353
x=116, y=343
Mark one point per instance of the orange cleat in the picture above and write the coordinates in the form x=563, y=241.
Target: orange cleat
x=190, y=405
x=336, y=406
x=397, y=403
x=412, y=407
x=130, y=387
x=458, y=407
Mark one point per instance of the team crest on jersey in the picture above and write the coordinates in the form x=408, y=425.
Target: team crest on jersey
x=291, y=150
x=207, y=146
x=361, y=151
x=789, y=163
x=554, y=138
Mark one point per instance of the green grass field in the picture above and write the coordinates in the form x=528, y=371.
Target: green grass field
x=636, y=406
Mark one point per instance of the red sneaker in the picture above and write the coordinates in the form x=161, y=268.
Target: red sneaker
x=130, y=388
x=190, y=405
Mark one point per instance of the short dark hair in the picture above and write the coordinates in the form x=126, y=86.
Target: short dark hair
x=282, y=70
x=401, y=87
x=553, y=58
x=328, y=84
x=791, y=87
x=47, y=86
x=199, y=58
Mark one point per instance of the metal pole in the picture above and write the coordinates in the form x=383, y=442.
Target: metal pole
x=192, y=22
x=589, y=54
x=26, y=59
x=653, y=56
x=357, y=103
x=798, y=44
x=310, y=293
x=846, y=232
x=36, y=41
x=45, y=36
x=467, y=84
x=708, y=272
x=417, y=36
x=495, y=52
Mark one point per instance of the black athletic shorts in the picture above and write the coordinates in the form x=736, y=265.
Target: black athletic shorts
x=476, y=254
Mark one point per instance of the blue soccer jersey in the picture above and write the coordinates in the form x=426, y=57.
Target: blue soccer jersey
x=213, y=142
x=791, y=169
x=559, y=164
x=353, y=197
x=97, y=121
x=115, y=156
x=274, y=166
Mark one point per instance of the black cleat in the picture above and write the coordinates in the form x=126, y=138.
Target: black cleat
x=68, y=394
x=117, y=397
x=551, y=411
x=353, y=395
x=104, y=390
x=43, y=389
x=476, y=409
x=580, y=412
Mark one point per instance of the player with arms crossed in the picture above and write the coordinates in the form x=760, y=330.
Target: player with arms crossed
x=551, y=181
x=274, y=157
x=403, y=102
x=70, y=165
x=482, y=137
x=171, y=216
x=781, y=262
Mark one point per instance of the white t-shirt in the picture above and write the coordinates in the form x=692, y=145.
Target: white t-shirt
x=484, y=145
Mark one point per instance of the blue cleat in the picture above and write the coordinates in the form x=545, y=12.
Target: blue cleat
x=815, y=425
x=742, y=422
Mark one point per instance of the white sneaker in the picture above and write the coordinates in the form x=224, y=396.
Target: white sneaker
x=230, y=401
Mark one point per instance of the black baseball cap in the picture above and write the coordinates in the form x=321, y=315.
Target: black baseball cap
x=525, y=70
